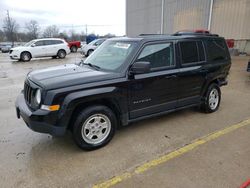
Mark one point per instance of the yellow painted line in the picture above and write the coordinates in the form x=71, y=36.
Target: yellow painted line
x=163, y=159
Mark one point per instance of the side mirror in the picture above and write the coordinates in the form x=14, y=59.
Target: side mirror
x=140, y=67
x=32, y=45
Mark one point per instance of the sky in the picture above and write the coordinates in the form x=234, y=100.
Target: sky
x=101, y=16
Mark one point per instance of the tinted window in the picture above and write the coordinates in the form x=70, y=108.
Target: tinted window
x=48, y=42
x=159, y=55
x=57, y=42
x=201, y=51
x=189, y=52
x=217, y=50
x=39, y=43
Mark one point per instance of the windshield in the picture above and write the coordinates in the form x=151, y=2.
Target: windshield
x=29, y=43
x=110, y=55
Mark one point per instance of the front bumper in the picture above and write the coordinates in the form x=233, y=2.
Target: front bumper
x=13, y=55
x=38, y=120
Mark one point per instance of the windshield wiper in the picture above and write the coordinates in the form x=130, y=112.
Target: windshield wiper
x=91, y=65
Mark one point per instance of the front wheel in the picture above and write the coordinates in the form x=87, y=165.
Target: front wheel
x=212, y=99
x=89, y=52
x=94, y=127
x=25, y=56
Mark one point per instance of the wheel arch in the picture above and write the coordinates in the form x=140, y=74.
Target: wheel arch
x=26, y=52
x=110, y=103
x=75, y=102
x=218, y=81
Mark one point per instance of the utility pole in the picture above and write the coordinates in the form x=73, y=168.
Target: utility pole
x=162, y=16
x=210, y=15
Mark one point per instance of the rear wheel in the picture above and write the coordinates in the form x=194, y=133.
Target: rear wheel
x=212, y=99
x=25, y=56
x=94, y=127
x=61, y=54
x=73, y=49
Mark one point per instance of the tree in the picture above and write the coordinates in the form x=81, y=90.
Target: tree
x=51, y=31
x=1, y=36
x=33, y=29
x=10, y=28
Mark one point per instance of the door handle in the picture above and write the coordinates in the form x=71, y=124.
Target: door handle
x=172, y=76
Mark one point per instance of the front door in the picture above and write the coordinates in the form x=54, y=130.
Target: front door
x=39, y=49
x=156, y=91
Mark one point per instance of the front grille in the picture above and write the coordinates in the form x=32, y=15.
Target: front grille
x=28, y=93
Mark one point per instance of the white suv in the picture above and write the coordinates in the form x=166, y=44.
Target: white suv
x=47, y=47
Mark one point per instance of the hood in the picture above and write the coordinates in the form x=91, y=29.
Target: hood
x=68, y=75
x=19, y=48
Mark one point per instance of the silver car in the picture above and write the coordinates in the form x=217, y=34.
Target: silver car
x=89, y=48
x=6, y=48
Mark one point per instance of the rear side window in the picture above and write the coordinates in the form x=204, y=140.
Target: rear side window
x=159, y=55
x=57, y=42
x=48, y=42
x=192, y=52
x=217, y=50
x=189, y=52
x=201, y=52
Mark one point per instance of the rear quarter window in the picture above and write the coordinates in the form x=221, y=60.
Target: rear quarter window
x=217, y=50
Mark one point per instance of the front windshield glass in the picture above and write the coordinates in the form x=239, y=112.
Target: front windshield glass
x=110, y=55
x=29, y=43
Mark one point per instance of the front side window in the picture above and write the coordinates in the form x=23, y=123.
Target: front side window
x=111, y=55
x=99, y=42
x=39, y=43
x=159, y=55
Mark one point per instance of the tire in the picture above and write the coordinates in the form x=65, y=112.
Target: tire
x=89, y=52
x=212, y=99
x=61, y=54
x=94, y=127
x=73, y=49
x=25, y=56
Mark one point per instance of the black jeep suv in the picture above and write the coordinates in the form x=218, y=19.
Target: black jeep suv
x=125, y=80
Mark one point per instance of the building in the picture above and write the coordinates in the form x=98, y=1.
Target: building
x=228, y=18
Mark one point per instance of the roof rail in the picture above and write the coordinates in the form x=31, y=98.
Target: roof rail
x=150, y=34
x=199, y=32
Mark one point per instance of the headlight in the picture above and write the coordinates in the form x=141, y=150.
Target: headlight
x=38, y=96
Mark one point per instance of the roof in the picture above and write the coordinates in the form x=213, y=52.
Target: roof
x=149, y=37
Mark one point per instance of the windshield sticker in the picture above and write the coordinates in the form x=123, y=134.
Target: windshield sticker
x=122, y=45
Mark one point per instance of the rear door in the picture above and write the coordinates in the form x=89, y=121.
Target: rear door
x=51, y=47
x=192, y=71
x=156, y=91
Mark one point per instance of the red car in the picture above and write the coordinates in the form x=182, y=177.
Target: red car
x=74, y=45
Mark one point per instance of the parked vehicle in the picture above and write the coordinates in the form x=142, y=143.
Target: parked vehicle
x=125, y=80
x=89, y=48
x=47, y=47
x=248, y=66
x=6, y=48
x=74, y=45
